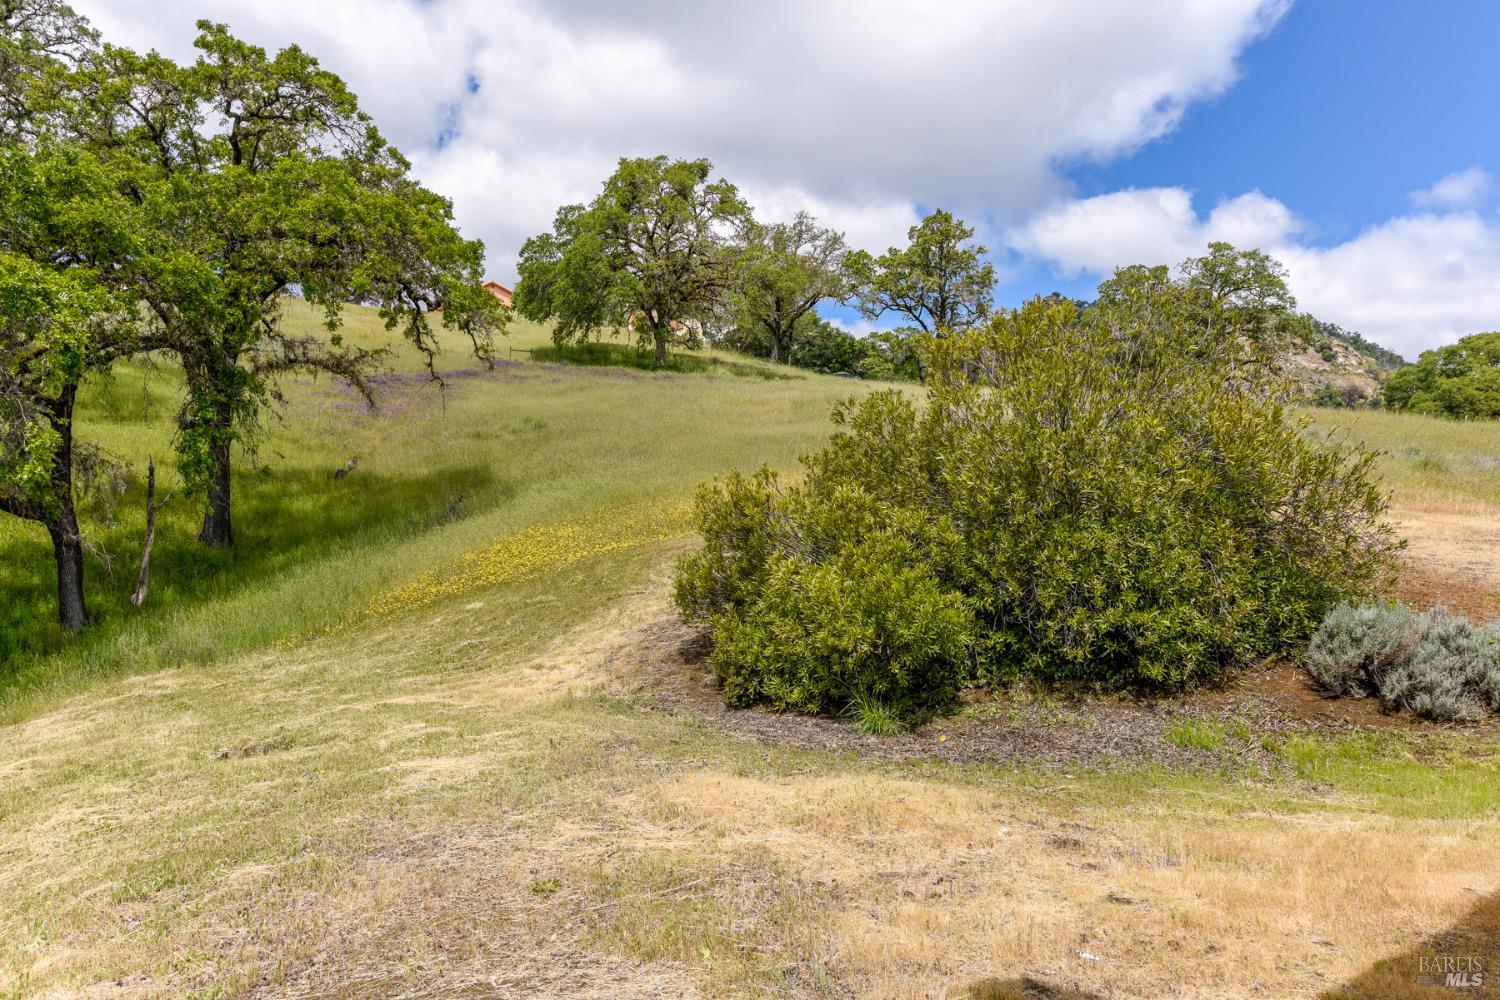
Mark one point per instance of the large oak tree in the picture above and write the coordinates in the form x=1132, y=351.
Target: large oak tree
x=257, y=176
x=650, y=253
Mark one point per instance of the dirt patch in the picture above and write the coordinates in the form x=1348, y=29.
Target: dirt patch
x=664, y=666
x=1024, y=988
x=1453, y=560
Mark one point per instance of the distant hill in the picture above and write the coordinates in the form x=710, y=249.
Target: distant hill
x=1327, y=364
x=1336, y=367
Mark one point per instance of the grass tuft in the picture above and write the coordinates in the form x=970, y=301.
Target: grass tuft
x=874, y=717
x=1194, y=734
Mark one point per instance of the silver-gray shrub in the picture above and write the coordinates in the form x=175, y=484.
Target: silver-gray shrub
x=1356, y=646
x=1435, y=665
x=1489, y=679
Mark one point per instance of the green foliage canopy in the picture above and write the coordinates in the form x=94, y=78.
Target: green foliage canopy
x=39, y=41
x=649, y=253
x=1460, y=380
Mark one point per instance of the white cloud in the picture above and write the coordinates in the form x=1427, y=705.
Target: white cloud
x=1461, y=189
x=853, y=323
x=1411, y=283
x=861, y=109
x=1146, y=226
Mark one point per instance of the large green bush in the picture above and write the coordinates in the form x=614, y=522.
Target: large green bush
x=1459, y=380
x=1113, y=496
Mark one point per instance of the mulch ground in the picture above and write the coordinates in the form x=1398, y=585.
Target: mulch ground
x=664, y=665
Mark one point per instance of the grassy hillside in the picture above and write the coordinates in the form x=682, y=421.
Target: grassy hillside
x=434, y=731
x=440, y=469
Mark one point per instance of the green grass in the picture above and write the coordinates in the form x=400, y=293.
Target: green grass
x=873, y=716
x=1429, y=461
x=1195, y=734
x=257, y=777
x=602, y=354
x=440, y=471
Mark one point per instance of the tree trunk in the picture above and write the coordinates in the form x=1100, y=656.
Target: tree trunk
x=217, y=531
x=143, y=582
x=67, y=540
x=775, y=346
x=661, y=347
x=67, y=550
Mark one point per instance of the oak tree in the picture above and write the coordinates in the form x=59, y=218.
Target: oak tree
x=784, y=270
x=258, y=176
x=939, y=282
x=63, y=227
x=649, y=253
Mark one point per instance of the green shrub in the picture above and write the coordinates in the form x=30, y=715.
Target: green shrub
x=866, y=626
x=1435, y=665
x=1114, y=496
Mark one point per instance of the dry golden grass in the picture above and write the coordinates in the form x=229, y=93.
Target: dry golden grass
x=441, y=809
x=456, y=794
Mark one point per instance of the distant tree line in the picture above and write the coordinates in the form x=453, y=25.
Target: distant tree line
x=675, y=256
x=1460, y=380
x=155, y=207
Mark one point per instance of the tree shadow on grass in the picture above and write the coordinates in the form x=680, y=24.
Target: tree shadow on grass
x=1469, y=951
x=598, y=354
x=283, y=520
x=1024, y=988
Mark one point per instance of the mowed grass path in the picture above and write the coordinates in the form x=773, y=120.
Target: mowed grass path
x=391, y=748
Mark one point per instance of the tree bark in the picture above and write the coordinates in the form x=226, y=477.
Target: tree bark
x=217, y=531
x=661, y=347
x=775, y=346
x=62, y=526
x=67, y=550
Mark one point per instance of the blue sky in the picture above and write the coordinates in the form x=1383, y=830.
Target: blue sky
x=1345, y=108
x=1355, y=140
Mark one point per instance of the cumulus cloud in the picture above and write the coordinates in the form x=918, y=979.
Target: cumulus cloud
x=855, y=108
x=1411, y=283
x=1461, y=189
x=1145, y=226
